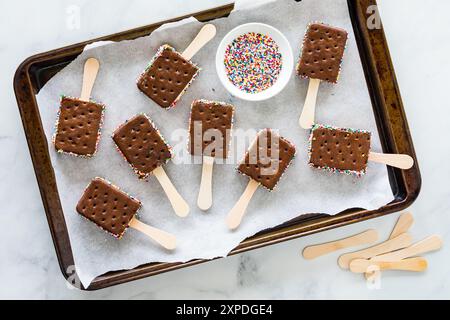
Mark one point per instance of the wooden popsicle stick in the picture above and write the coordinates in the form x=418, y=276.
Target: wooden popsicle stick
x=401, y=161
x=307, y=118
x=417, y=264
x=204, y=200
x=178, y=203
x=431, y=243
x=402, y=241
x=236, y=214
x=207, y=32
x=366, y=237
x=403, y=224
x=91, y=68
x=167, y=240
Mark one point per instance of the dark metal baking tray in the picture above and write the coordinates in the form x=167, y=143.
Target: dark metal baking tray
x=35, y=71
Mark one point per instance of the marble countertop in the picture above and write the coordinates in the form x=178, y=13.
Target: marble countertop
x=28, y=264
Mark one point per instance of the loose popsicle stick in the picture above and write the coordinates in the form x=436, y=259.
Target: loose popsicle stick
x=402, y=241
x=167, y=240
x=178, y=203
x=307, y=118
x=236, y=214
x=401, y=161
x=204, y=200
x=403, y=224
x=366, y=237
x=431, y=243
x=91, y=68
x=203, y=37
x=417, y=264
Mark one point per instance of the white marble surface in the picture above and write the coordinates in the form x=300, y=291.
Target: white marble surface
x=28, y=265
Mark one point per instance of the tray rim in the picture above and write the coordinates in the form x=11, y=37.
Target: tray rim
x=23, y=81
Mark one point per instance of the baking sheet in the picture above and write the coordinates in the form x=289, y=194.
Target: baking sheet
x=205, y=235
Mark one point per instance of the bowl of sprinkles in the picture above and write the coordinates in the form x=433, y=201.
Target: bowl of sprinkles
x=254, y=61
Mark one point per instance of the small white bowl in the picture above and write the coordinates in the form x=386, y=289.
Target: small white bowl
x=286, y=55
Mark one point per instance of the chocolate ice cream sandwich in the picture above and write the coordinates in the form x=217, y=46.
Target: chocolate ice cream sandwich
x=321, y=59
x=348, y=151
x=264, y=163
x=209, y=137
x=144, y=148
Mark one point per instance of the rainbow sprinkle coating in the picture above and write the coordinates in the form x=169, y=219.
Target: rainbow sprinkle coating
x=253, y=62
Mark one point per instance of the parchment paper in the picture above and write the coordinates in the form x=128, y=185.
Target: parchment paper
x=205, y=235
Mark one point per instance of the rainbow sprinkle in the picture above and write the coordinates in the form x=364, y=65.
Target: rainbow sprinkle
x=253, y=62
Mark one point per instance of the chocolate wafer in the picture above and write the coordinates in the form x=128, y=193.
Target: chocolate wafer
x=142, y=145
x=167, y=77
x=267, y=158
x=323, y=50
x=210, y=128
x=78, y=127
x=108, y=207
x=339, y=150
